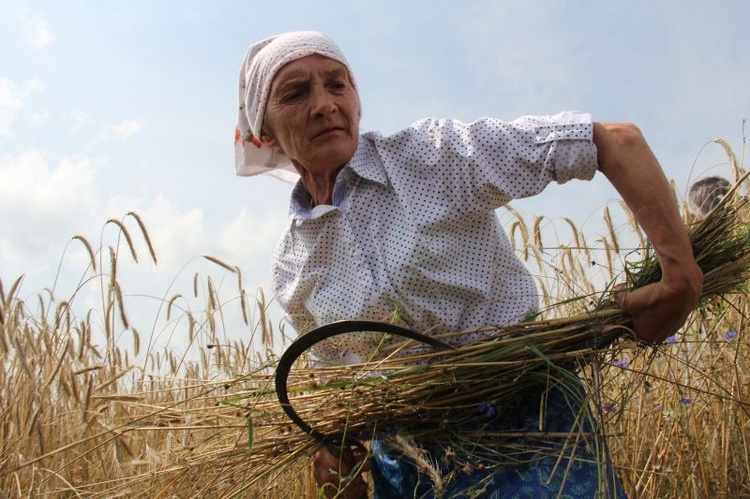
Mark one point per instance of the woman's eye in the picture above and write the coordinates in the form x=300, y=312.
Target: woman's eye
x=291, y=96
x=292, y=93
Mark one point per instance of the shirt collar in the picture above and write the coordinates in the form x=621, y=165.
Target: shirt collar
x=365, y=163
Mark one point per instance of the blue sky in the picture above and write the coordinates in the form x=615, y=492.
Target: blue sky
x=111, y=107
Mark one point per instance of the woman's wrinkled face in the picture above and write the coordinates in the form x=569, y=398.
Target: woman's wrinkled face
x=313, y=114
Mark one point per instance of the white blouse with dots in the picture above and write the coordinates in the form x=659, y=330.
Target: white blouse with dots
x=413, y=230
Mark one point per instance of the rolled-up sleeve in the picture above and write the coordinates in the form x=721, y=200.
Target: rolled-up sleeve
x=570, y=136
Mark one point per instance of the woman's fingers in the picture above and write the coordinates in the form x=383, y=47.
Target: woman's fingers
x=337, y=467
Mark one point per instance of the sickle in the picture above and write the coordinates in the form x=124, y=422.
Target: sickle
x=307, y=340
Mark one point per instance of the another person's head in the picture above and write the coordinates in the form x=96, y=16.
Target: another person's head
x=299, y=106
x=705, y=194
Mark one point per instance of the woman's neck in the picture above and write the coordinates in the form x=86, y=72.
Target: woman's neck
x=320, y=187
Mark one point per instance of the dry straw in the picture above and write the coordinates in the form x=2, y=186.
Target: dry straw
x=443, y=388
x=429, y=394
x=83, y=423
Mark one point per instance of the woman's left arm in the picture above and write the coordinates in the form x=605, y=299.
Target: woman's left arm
x=659, y=309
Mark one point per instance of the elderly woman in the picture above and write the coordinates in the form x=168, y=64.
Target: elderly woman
x=405, y=223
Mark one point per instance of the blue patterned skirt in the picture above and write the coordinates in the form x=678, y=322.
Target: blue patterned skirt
x=569, y=461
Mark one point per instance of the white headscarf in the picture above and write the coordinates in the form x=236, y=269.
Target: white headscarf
x=263, y=61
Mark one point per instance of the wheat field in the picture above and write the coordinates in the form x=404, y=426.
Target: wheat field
x=88, y=411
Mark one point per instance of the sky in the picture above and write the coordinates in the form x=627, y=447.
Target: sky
x=108, y=108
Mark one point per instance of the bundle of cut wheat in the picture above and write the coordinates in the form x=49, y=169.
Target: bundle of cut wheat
x=440, y=388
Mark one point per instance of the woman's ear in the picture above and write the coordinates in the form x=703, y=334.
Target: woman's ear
x=268, y=139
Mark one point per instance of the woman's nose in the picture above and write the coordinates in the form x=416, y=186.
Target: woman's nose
x=322, y=102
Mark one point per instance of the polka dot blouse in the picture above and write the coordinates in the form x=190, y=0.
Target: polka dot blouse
x=412, y=233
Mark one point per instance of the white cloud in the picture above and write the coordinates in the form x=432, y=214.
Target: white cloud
x=77, y=120
x=41, y=206
x=39, y=117
x=247, y=235
x=180, y=234
x=177, y=234
x=122, y=130
x=35, y=29
x=28, y=182
x=12, y=100
x=126, y=129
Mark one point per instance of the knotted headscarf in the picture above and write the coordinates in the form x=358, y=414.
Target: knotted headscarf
x=263, y=61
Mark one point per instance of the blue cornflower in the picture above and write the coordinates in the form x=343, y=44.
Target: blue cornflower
x=486, y=410
x=622, y=363
x=685, y=401
x=609, y=408
x=730, y=335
